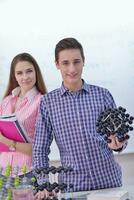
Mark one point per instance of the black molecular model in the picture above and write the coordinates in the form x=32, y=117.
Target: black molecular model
x=52, y=185
x=115, y=122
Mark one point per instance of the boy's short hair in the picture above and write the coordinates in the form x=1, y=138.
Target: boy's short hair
x=68, y=43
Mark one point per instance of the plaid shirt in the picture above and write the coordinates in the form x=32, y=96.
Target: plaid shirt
x=71, y=118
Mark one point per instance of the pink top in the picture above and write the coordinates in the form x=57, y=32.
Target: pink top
x=26, y=114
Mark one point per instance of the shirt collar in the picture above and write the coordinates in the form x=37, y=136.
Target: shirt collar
x=29, y=95
x=84, y=87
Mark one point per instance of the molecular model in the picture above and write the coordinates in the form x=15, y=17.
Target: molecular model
x=115, y=122
x=52, y=186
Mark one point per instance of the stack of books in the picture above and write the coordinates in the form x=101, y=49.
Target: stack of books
x=11, y=128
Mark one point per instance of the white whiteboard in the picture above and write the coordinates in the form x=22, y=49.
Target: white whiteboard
x=106, y=33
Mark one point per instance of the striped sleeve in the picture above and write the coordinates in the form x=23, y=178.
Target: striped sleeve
x=43, y=137
x=109, y=100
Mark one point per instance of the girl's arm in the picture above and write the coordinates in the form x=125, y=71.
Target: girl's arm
x=25, y=148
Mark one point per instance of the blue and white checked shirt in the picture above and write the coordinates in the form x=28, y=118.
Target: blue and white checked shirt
x=71, y=118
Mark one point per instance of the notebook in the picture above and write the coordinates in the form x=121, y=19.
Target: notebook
x=11, y=128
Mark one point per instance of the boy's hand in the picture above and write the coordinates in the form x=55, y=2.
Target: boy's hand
x=115, y=144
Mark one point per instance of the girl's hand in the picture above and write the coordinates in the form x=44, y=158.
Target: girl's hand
x=2, y=138
x=5, y=140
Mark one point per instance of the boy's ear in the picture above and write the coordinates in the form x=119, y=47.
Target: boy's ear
x=56, y=63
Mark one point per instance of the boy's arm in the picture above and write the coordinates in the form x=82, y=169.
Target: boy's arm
x=43, y=138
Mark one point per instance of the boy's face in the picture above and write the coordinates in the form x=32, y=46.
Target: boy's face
x=70, y=64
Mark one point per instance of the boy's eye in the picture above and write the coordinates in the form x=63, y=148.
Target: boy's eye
x=65, y=63
x=76, y=61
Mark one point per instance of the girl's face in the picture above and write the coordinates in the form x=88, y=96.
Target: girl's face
x=25, y=75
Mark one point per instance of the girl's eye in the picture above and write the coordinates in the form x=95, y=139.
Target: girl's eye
x=29, y=71
x=19, y=73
